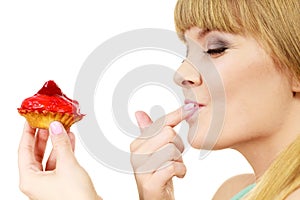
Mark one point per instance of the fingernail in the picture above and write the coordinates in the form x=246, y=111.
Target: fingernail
x=56, y=128
x=188, y=107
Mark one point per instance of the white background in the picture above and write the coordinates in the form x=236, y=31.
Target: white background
x=43, y=40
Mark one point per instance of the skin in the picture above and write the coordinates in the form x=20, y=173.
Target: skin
x=258, y=95
x=157, y=184
x=40, y=182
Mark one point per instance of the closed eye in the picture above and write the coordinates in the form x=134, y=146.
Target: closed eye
x=216, y=52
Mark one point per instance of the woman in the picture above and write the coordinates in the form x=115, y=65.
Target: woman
x=254, y=46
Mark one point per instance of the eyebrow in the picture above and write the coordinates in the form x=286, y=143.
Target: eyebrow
x=201, y=34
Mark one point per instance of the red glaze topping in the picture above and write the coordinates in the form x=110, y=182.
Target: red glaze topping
x=51, y=89
x=50, y=98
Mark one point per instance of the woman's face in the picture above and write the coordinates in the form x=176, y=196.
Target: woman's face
x=257, y=94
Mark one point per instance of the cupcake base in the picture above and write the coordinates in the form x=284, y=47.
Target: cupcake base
x=43, y=119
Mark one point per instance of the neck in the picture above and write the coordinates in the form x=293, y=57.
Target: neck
x=261, y=152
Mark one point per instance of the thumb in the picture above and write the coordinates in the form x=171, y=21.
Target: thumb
x=61, y=144
x=143, y=119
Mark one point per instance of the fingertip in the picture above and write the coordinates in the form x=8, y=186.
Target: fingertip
x=188, y=110
x=139, y=114
x=27, y=135
x=181, y=171
x=143, y=119
x=56, y=128
x=27, y=128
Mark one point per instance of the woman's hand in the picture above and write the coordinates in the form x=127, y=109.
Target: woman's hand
x=62, y=178
x=156, y=155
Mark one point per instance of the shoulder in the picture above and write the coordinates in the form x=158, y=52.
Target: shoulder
x=294, y=195
x=233, y=185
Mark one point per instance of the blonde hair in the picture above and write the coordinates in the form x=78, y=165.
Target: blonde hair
x=282, y=177
x=275, y=25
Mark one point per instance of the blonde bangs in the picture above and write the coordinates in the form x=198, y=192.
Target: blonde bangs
x=208, y=15
x=273, y=23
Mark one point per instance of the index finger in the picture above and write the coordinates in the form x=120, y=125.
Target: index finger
x=26, y=148
x=174, y=118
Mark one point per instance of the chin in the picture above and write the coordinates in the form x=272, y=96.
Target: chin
x=201, y=142
x=206, y=145
x=213, y=142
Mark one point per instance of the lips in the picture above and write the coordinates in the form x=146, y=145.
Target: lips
x=197, y=107
x=187, y=101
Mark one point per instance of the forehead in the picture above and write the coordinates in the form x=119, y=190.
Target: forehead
x=195, y=32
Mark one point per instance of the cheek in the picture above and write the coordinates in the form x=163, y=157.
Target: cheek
x=256, y=96
x=256, y=99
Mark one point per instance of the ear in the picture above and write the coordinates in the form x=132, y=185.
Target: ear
x=295, y=85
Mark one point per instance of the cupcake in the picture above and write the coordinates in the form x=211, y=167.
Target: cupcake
x=50, y=104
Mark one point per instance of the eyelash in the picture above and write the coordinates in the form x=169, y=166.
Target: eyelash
x=216, y=52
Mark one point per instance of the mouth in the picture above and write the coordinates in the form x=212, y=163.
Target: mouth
x=188, y=101
x=197, y=107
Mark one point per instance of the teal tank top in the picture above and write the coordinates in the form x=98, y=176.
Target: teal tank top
x=242, y=193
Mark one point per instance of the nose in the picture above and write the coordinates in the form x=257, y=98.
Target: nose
x=187, y=76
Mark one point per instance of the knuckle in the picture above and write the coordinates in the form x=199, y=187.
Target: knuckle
x=133, y=159
x=173, y=151
x=178, y=143
x=61, y=142
x=171, y=169
x=25, y=187
x=170, y=132
x=133, y=146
